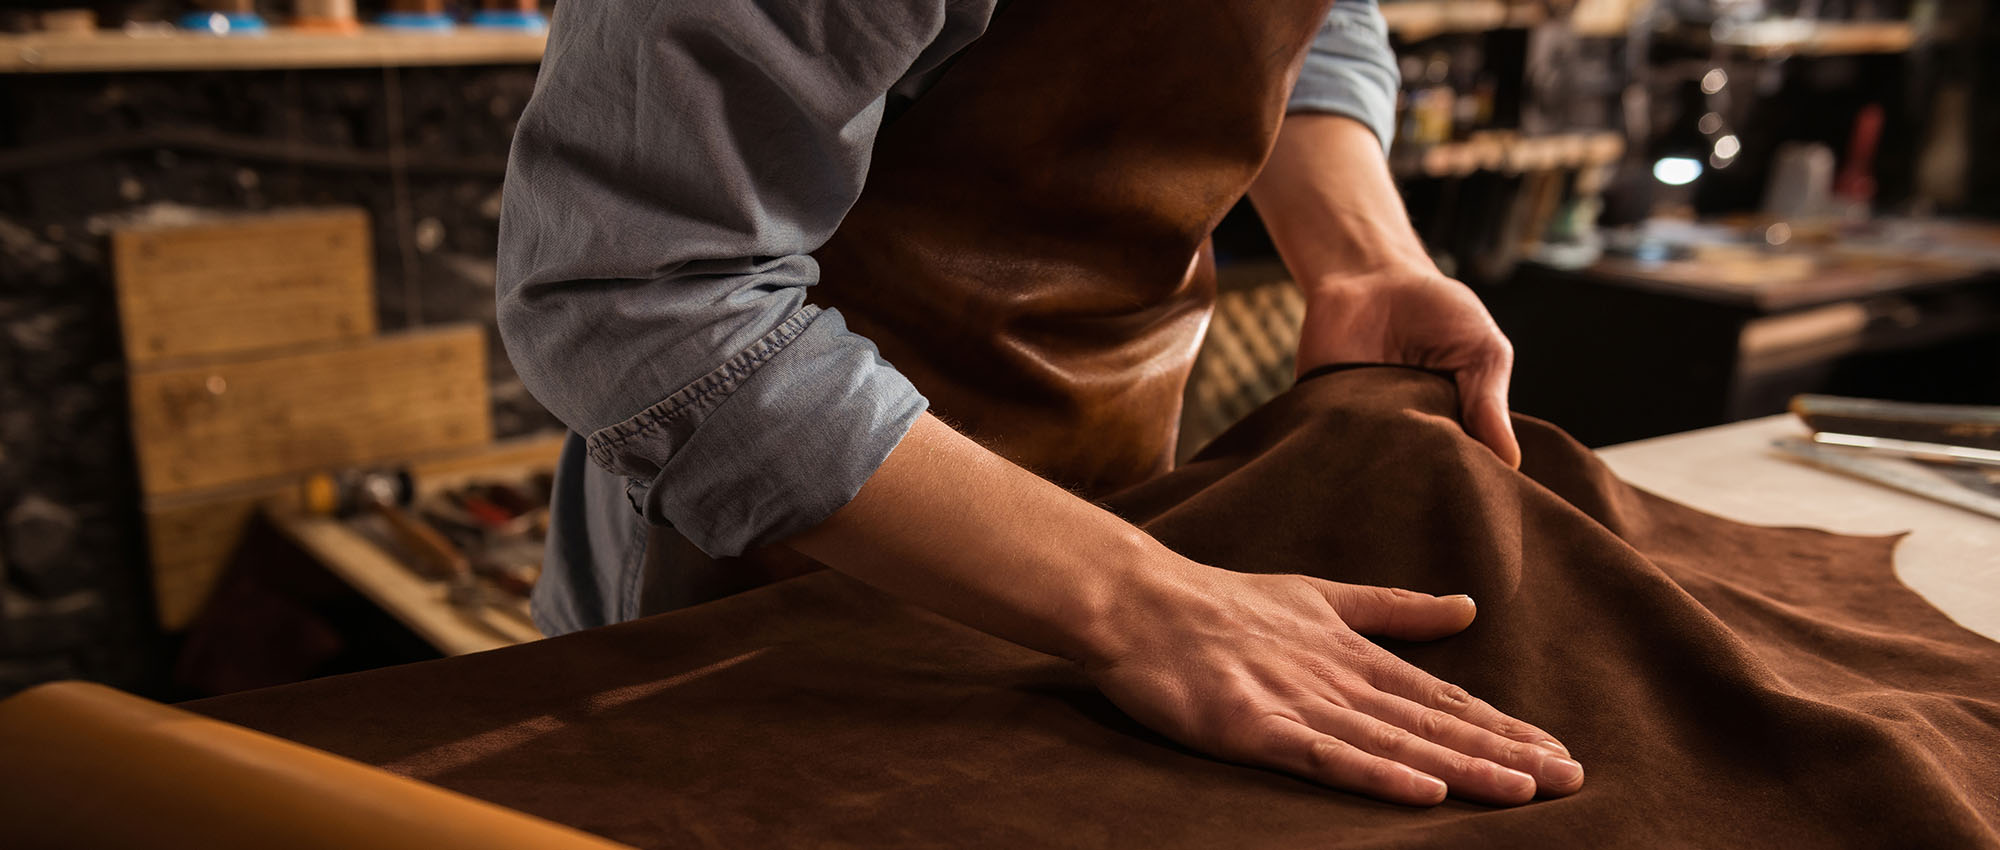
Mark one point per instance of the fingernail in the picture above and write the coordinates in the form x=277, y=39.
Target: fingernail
x=1463, y=596
x=1427, y=787
x=1561, y=772
x=1514, y=781
x=1554, y=747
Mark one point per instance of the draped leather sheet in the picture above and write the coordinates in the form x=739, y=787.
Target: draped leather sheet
x=1724, y=685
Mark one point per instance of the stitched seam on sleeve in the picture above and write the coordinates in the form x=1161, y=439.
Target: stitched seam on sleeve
x=705, y=393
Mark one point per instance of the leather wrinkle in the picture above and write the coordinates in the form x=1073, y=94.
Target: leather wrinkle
x=1030, y=249
x=819, y=711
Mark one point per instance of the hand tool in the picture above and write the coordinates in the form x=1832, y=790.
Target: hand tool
x=1973, y=426
x=1939, y=484
x=1911, y=449
x=385, y=493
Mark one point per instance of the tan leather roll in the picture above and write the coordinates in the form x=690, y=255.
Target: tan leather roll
x=83, y=765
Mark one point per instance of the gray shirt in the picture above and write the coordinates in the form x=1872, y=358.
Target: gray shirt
x=677, y=165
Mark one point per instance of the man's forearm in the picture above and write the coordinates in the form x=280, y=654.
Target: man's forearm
x=1330, y=205
x=955, y=528
x=1263, y=669
x=951, y=526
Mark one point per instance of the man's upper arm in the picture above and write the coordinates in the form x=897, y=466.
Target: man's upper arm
x=1350, y=69
x=675, y=167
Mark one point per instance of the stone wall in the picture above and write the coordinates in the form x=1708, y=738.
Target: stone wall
x=422, y=149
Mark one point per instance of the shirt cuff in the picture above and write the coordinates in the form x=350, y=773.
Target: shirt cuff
x=1350, y=70
x=768, y=444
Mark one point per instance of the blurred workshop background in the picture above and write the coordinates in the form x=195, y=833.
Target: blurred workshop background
x=256, y=424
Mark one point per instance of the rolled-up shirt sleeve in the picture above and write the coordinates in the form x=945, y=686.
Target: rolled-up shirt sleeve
x=677, y=164
x=1350, y=70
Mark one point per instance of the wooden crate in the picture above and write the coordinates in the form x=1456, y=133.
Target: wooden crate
x=254, y=360
x=190, y=541
x=248, y=283
x=234, y=420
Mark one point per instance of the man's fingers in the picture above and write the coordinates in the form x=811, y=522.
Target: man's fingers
x=1397, y=613
x=1295, y=748
x=1468, y=775
x=1411, y=683
x=1482, y=394
x=1553, y=774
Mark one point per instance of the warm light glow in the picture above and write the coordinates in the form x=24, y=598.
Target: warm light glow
x=1728, y=147
x=1676, y=170
x=1714, y=80
x=1709, y=124
x=1778, y=234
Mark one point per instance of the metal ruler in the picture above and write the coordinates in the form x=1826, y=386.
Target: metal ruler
x=1903, y=475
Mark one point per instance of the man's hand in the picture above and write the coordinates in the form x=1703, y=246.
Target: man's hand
x=1273, y=671
x=1372, y=293
x=1268, y=670
x=1417, y=317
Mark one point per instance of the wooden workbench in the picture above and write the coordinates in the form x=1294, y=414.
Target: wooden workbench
x=420, y=604
x=1951, y=558
x=1626, y=349
x=352, y=550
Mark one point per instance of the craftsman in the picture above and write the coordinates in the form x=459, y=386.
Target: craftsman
x=670, y=182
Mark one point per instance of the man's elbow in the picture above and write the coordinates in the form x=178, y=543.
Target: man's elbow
x=530, y=338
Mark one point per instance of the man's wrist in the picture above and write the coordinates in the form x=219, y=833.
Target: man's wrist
x=1338, y=287
x=1332, y=207
x=1126, y=566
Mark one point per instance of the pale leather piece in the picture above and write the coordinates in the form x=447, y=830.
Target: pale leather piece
x=83, y=765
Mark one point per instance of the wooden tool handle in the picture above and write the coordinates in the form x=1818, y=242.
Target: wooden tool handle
x=440, y=558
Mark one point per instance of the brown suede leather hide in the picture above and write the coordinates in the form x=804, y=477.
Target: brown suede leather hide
x=1027, y=250
x=1724, y=685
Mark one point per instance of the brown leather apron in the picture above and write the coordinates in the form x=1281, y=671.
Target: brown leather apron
x=1030, y=247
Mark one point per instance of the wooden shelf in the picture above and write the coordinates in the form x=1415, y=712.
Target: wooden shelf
x=109, y=51
x=1775, y=38
x=1416, y=20
x=1507, y=153
x=372, y=47
x=375, y=47
x=1604, y=18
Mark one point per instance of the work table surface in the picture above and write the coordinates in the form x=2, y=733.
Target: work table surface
x=1951, y=557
